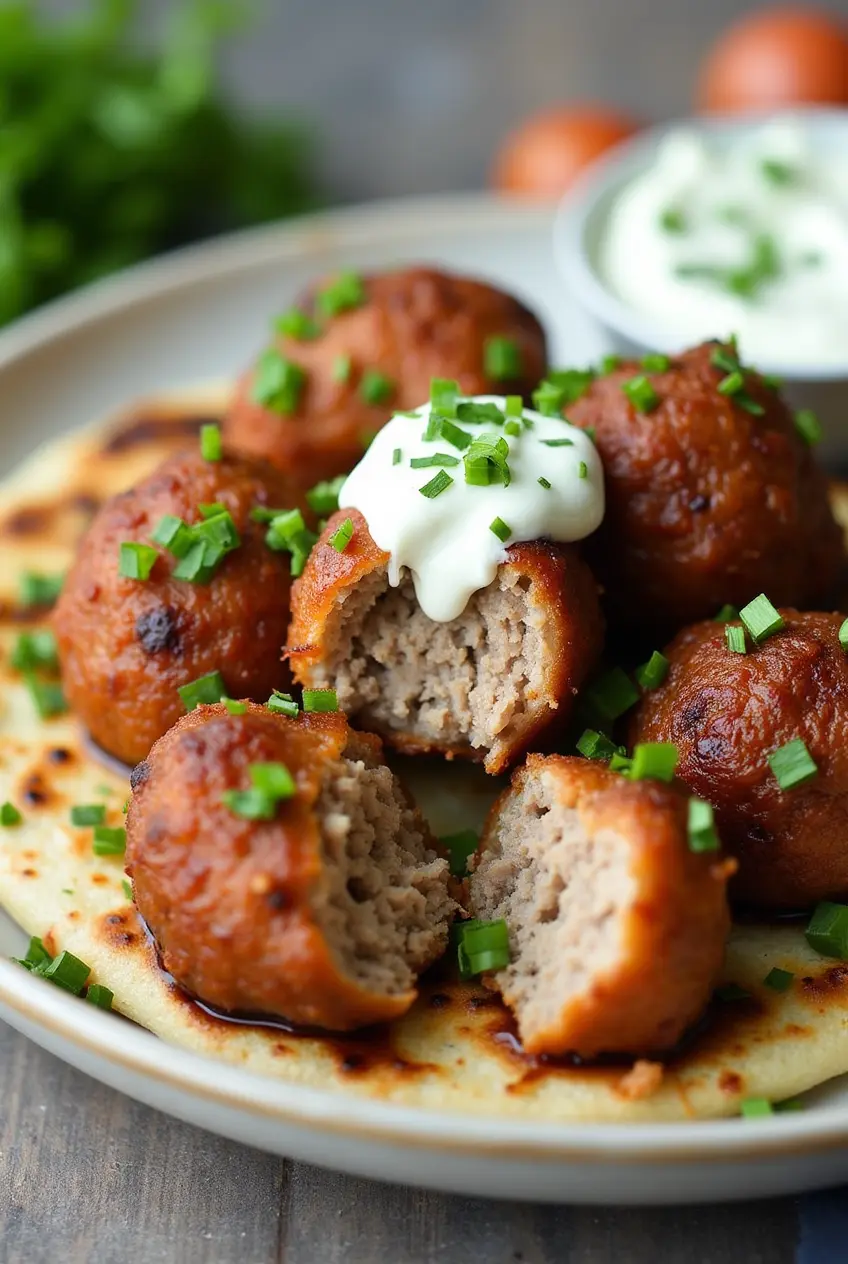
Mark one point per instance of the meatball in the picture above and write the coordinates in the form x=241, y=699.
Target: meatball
x=616, y=929
x=482, y=686
x=126, y=645
x=375, y=356
x=727, y=713
x=707, y=501
x=321, y=912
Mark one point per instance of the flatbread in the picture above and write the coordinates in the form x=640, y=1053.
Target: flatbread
x=456, y=1049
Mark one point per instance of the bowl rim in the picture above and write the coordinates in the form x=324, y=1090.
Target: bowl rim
x=616, y=168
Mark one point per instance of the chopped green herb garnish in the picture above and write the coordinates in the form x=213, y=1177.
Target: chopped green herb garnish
x=251, y=805
x=612, y=694
x=439, y=427
x=342, y=537
x=323, y=498
x=206, y=690
x=560, y=388
x=346, y=292
x=557, y=443
x=620, y=762
x=283, y=704
x=582, y=470
x=37, y=589
x=9, y=815
x=512, y=427
x=136, y=561
x=609, y=364
x=543, y=482
x=499, y=528
x=272, y=783
x=273, y=779
x=673, y=220
x=296, y=324
x=211, y=448
x=375, y=387
x=320, y=700
x=808, y=426
x=342, y=367
x=792, y=764
x=97, y=994
x=288, y=533
x=727, y=614
x=654, y=761
x=779, y=980
x=482, y=946
x=735, y=638
x=444, y=396
x=126, y=887
x=234, y=707
x=459, y=847
x=486, y=461
x=35, y=649
x=514, y=406
x=777, y=172
x=731, y=992
x=843, y=634
x=436, y=459
x=598, y=746
x=652, y=674
x=732, y=384
x=67, y=972
x=641, y=394
x=174, y=535
x=502, y=359
x=656, y=363
x=701, y=827
x=827, y=930
x=436, y=486
x=756, y=1108
x=397, y=456
x=88, y=814
x=475, y=414
x=277, y=383
x=109, y=841
x=761, y=618
x=47, y=696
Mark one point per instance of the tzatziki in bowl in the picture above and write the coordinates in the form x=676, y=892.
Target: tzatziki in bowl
x=720, y=226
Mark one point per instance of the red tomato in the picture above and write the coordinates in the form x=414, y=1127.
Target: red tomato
x=543, y=156
x=777, y=57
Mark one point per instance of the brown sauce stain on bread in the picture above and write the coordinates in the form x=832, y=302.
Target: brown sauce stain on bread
x=140, y=430
x=830, y=987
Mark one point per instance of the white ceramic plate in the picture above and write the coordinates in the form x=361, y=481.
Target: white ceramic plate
x=199, y=315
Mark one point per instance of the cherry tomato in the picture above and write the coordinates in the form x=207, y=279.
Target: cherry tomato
x=544, y=155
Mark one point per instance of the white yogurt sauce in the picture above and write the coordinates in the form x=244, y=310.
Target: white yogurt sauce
x=446, y=542
x=768, y=191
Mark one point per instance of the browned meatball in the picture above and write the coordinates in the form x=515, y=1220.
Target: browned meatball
x=126, y=645
x=616, y=928
x=727, y=713
x=482, y=686
x=324, y=911
x=707, y=502
x=376, y=356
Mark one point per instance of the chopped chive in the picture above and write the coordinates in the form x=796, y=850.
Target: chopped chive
x=654, y=761
x=735, y=638
x=47, y=696
x=9, y=815
x=725, y=359
x=36, y=955
x=136, y=561
x=743, y=399
x=206, y=689
x=701, y=828
x=594, y=745
x=438, y=458
x=672, y=220
x=459, y=847
x=730, y=992
x=512, y=428
x=444, y=396
x=375, y=387
x=234, y=707
x=482, y=946
x=727, y=614
x=582, y=470
x=779, y=980
x=499, y=528
x=342, y=537
x=756, y=1108
x=174, y=535
x=211, y=448
x=37, y=589
x=486, y=461
x=251, y=805
x=277, y=383
x=827, y=930
x=88, y=814
x=761, y=618
x=652, y=674
x=126, y=887
x=808, y=426
x=543, y=482
x=560, y=388
x=843, y=634
x=288, y=533
x=514, y=406
x=620, y=762
x=97, y=994
x=792, y=764
x=777, y=172
x=655, y=362
x=557, y=443
x=315, y=700
x=199, y=564
x=343, y=294
x=296, y=324
x=502, y=359
x=341, y=369
x=323, y=498
x=609, y=364
x=641, y=394
x=213, y=509
x=35, y=649
x=439, y=427
x=282, y=704
x=397, y=456
x=476, y=414
x=109, y=841
x=67, y=972
x=612, y=694
x=732, y=384
x=436, y=486
x=273, y=779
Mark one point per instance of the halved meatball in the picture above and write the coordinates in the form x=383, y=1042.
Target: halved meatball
x=323, y=915
x=616, y=929
x=727, y=713
x=126, y=645
x=711, y=497
x=482, y=686
x=378, y=355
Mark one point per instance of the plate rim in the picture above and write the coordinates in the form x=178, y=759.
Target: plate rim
x=38, y=1004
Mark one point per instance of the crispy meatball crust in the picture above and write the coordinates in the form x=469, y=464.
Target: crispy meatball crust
x=573, y=632
x=705, y=502
x=671, y=934
x=125, y=645
x=416, y=324
x=229, y=901
x=727, y=713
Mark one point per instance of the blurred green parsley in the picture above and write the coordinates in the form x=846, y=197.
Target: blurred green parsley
x=109, y=154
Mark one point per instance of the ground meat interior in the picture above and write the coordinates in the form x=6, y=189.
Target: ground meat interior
x=463, y=683
x=382, y=903
x=560, y=891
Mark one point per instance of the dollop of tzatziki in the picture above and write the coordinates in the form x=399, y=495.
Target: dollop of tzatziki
x=748, y=236
x=447, y=488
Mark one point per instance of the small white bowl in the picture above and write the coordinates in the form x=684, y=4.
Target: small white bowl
x=579, y=228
